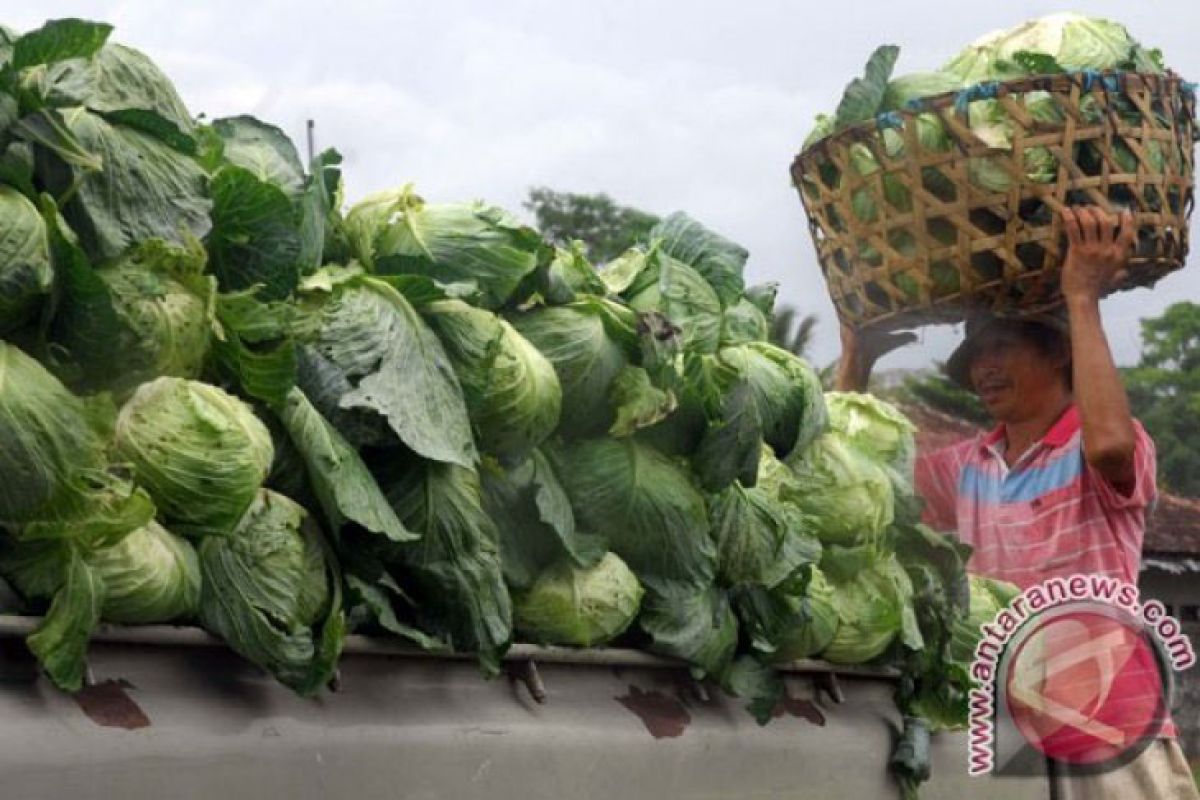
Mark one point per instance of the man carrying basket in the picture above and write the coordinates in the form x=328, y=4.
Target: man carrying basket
x=1063, y=484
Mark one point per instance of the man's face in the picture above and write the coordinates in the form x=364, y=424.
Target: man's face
x=1011, y=374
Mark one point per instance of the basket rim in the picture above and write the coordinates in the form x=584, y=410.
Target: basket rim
x=1050, y=82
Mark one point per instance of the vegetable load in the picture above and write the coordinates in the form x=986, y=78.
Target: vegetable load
x=228, y=400
x=929, y=194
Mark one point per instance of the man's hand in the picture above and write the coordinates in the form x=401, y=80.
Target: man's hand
x=1099, y=246
x=860, y=351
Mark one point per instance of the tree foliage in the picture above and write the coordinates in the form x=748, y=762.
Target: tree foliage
x=792, y=330
x=608, y=229
x=1164, y=391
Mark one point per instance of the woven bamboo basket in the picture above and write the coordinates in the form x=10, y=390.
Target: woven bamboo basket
x=918, y=239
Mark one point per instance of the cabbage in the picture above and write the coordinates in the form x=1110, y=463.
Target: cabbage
x=875, y=428
x=684, y=296
x=905, y=88
x=453, y=573
x=151, y=312
x=589, y=343
x=761, y=540
x=533, y=517
x=396, y=232
x=373, y=368
x=150, y=575
x=873, y=608
x=511, y=390
x=988, y=598
x=849, y=496
x=785, y=390
x=794, y=620
x=47, y=448
x=581, y=607
x=271, y=593
x=643, y=504
x=1073, y=41
x=25, y=270
x=201, y=453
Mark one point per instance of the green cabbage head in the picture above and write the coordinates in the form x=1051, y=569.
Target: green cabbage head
x=150, y=314
x=25, y=269
x=849, y=496
x=875, y=427
x=150, y=575
x=200, y=452
x=47, y=447
x=270, y=592
x=589, y=607
x=988, y=597
x=794, y=620
x=511, y=390
x=872, y=607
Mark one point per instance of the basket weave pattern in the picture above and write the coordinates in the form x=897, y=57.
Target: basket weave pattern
x=936, y=244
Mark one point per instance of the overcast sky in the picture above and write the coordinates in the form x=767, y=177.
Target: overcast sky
x=692, y=105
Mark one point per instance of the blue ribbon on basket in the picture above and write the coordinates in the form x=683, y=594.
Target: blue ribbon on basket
x=1091, y=77
x=916, y=104
x=889, y=119
x=980, y=91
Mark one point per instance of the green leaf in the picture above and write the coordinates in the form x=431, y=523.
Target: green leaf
x=454, y=570
x=756, y=683
x=643, y=504
x=125, y=87
x=760, y=541
x=389, y=363
x=534, y=519
x=395, y=232
x=639, y=403
x=863, y=97
x=48, y=129
x=316, y=204
x=1037, y=63
x=693, y=623
x=731, y=446
x=270, y=590
x=254, y=239
x=345, y=488
x=255, y=349
x=373, y=596
x=717, y=259
x=60, y=641
x=59, y=40
x=684, y=296
x=145, y=189
x=263, y=150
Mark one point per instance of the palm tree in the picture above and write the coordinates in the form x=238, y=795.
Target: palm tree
x=791, y=330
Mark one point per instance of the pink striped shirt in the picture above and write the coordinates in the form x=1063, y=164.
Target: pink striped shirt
x=1050, y=514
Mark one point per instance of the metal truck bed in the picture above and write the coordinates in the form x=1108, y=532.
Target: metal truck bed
x=171, y=713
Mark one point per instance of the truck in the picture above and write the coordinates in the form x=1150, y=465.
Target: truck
x=170, y=712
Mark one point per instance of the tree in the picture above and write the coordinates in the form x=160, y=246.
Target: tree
x=791, y=331
x=608, y=229
x=1164, y=392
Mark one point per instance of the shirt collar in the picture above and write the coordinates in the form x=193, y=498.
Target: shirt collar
x=1059, y=434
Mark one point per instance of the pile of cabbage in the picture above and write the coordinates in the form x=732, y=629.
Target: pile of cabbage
x=1058, y=43
x=226, y=399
